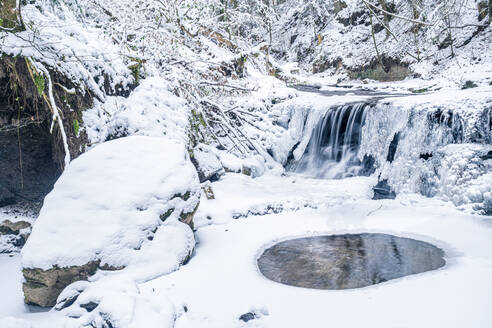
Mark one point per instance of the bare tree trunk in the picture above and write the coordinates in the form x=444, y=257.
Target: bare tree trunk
x=450, y=35
x=490, y=11
x=374, y=40
x=416, y=27
x=386, y=17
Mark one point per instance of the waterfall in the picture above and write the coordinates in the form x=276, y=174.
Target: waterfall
x=334, y=144
x=411, y=144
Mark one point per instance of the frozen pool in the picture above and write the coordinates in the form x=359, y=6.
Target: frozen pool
x=347, y=261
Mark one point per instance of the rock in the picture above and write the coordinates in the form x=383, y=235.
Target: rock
x=70, y=294
x=25, y=130
x=207, y=163
x=208, y=191
x=13, y=235
x=8, y=227
x=383, y=191
x=42, y=287
x=393, y=147
x=469, y=85
x=116, y=301
x=247, y=317
x=90, y=306
x=487, y=156
x=230, y=162
x=253, y=166
x=114, y=207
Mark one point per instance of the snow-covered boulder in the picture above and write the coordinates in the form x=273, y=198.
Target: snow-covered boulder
x=230, y=162
x=207, y=163
x=13, y=235
x=109, y=209
x=115, y=301
x=254, y=166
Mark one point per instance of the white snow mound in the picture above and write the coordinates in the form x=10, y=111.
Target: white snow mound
x=107, y=203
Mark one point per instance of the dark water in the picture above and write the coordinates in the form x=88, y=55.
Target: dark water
x=347, y=261
x=348, y=90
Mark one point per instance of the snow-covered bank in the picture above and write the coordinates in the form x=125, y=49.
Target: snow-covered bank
x=222, y=282
x=447, y=297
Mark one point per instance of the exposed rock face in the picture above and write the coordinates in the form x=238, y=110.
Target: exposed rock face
x=391, y=71
x=106, y=215
x=8, y=227
x=42, y=287
x=13, y=235
x=31, y=159
x=382, y=190
x=388, y=69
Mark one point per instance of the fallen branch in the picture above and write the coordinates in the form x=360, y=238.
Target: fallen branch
x=225, y=85
x=397, y=16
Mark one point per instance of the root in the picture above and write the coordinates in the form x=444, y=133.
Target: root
x=35, y=67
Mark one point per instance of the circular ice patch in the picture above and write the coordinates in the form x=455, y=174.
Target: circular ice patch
x=347, y=261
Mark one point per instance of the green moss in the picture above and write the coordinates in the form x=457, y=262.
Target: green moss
x=240, y=65
x=76, y=127
x=136, y=68
x=396, y=73
x=197, y=125
x=40, y=84
x=417, y=91
x=8, y=15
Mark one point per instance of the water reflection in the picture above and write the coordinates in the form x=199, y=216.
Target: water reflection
x=347, y=261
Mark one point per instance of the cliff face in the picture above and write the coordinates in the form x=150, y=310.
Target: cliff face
x=31, y=150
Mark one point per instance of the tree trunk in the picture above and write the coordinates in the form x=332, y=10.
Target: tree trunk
x=490, y=11
x=386, y=17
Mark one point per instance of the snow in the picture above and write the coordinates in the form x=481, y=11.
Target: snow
x=230, y=273
x=56, y=38
x=230, y=162
x=107, y=203
x=102, y=210
x=335, y=42
x=222, y=282
x=150, y=110
x=120, y=302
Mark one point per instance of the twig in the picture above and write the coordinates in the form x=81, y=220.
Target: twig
x=374, y=211
x=225, y=85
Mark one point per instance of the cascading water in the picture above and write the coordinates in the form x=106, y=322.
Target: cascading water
x=334, y=144
x=420, y=144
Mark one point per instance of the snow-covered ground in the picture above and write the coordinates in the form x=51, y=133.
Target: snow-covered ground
x=222, y=281
x=198, y=86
